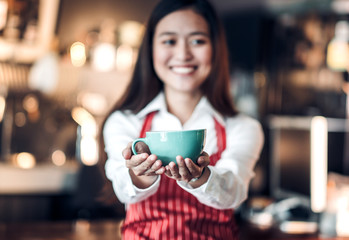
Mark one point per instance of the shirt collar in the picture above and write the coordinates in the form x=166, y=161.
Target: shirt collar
x=159, y=104
x=205, y=106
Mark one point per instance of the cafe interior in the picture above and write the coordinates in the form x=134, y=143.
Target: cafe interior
x=63, y=64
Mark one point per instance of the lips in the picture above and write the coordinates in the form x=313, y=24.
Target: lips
x=184, y=70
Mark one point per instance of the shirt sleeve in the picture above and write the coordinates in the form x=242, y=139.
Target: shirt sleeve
x=227, y=186
x=119, y=130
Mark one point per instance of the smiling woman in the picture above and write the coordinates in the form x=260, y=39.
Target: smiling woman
x=181, y=82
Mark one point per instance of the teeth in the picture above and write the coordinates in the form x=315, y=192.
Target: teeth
x=183, y=70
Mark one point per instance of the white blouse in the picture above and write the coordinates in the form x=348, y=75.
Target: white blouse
x=227, y=186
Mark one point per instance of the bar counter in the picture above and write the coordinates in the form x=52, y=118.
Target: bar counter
x=62, y=230
x=110, y=230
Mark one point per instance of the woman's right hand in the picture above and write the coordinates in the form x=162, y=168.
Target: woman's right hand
x=144, y=166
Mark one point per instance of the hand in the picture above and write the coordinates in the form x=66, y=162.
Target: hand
x=186, y=169
x=144, y=163
x=144, y=167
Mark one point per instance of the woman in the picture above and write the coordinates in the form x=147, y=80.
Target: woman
x=180, y=82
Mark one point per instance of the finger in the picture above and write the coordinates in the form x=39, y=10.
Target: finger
x=168, y=171
x=144, y=167
x=141, y=147
x=147, y=165
x=203, y=160
x=127, y=152
x=154, y=167
x=194, y=170
x=182, y=169
x=174, y=170
x=160, y=171
x=204, y=154
x=136, y=160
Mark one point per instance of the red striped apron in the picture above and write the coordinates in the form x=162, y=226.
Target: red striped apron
x=173, y=213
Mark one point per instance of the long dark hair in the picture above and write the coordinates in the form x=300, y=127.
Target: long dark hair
x=145, y=84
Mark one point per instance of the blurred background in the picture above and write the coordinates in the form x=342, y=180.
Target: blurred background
x=63, y=64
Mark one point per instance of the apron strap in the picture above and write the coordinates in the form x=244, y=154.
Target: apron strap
x=147, y=124
x=221, y=136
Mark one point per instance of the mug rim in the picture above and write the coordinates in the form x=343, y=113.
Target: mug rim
x=179, y=131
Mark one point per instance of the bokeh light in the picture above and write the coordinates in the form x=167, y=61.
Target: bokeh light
x=58, y=158
x=78, y=54
x=25, y=160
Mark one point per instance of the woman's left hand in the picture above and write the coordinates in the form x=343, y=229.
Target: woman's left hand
x=186, y=169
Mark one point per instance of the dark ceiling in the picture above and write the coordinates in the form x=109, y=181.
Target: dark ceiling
x=78, y=16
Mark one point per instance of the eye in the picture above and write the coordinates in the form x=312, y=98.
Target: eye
x=198, y=41
x=169, y=42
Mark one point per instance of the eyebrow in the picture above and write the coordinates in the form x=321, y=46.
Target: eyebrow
x=191, y=34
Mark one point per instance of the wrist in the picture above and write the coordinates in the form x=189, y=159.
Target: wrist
x=142, y=182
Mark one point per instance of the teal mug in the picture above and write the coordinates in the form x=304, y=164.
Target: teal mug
x=167, y=145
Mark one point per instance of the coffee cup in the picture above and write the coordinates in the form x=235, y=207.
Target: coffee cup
x=167, y=145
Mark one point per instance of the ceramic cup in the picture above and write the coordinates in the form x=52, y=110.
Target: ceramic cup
x=166, y=145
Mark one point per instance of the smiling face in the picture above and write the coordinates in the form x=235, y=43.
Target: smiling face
x=182, y=51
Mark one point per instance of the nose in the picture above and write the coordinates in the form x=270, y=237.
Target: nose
x=183, y=51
